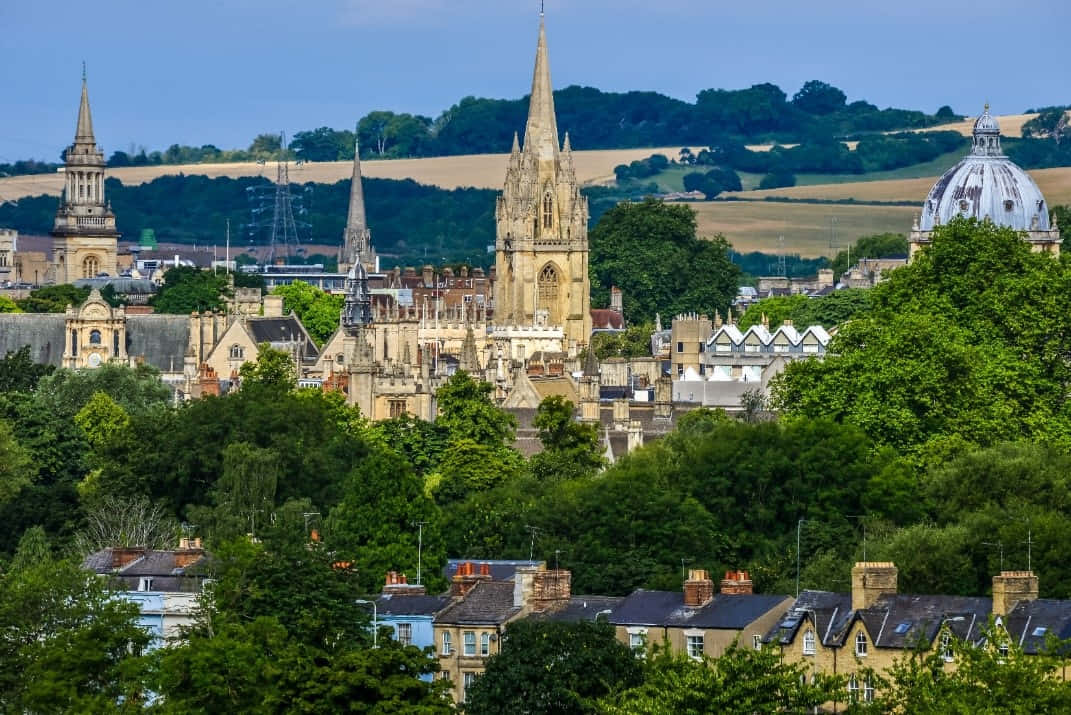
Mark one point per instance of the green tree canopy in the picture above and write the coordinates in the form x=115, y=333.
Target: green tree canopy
x=651, y=252
x=959, y=344
x=187, y=289
x=741, y=680
x=318, y=311
x=553, y=668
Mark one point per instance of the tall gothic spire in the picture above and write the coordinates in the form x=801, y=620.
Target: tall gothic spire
x=355, y=219
x=357, y=238
x=541, y=131
x=84, y=133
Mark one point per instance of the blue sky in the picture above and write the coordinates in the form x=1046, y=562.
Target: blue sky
x=221, y=71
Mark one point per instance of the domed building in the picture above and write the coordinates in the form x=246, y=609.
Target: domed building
x=988, y=185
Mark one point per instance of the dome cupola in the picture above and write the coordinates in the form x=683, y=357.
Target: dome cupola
x=986, y=184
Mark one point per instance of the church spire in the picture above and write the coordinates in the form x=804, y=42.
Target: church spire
x=84, y=133
x=357, y=239
x=541, y=131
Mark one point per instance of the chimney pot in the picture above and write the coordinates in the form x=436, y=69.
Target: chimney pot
x=737, y=583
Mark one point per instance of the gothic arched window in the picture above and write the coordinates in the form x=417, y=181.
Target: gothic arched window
x=94, y=337
x=548, y=210
x=90, y=267
x=237, y=352
x=548, y=293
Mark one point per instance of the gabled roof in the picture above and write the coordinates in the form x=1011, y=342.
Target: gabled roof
x=1032, y=623
x=666, y=608
x=281, y=330
x=487, y=603
x=894, y=621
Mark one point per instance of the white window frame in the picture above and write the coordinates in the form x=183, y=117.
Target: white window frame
x=756, y=641
x=868, y=689
x=691, y=639
x=404, y=633
x=485, y=644
x=946, y=646
x=467, y=679
x=860, y=645
x=448, y=643
x=853, y=688
x=809, y=642
x=468, y=643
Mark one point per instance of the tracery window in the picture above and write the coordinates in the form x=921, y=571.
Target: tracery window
x=548, y=293
x=548, y=210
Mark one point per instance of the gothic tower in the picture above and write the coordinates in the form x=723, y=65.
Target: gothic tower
x=357, y=238
x=541, y=243
x=84, y=238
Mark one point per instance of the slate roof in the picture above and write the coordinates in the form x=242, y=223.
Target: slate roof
x=281, y=330
x=389, y=604
x=666, y=608
x=898, y=621
x=1025, y=620
x=488, y=602
x=158, y=338
x=161, y=566
x=45, y=333
x=501, y=569
x=582, y=608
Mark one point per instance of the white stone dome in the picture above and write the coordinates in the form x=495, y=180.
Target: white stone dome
x=986, y=184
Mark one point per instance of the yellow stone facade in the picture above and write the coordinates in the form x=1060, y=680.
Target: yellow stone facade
x=84, y=236
x=541, y=246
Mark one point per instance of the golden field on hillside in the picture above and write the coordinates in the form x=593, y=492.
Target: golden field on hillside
x=485, y=171
x=756, y=225
x=1011, y=125
x=1054, y=183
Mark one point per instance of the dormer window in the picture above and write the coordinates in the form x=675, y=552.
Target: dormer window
x=946, y=646
x=808, y=643
x=145, y=584
x=860, y=644
x=237, y=352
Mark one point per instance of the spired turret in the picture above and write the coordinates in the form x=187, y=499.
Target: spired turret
x=541, y=217
x=84, y=234
x=357, y=310
x=357, y=237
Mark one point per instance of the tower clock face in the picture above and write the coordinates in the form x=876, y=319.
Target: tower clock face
x=94, y=360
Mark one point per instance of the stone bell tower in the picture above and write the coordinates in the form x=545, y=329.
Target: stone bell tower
x=84, y=237
x=541, y=244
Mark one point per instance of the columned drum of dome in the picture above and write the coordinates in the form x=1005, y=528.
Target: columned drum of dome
x=988, y=185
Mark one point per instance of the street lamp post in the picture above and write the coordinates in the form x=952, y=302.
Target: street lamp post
x=375, y=621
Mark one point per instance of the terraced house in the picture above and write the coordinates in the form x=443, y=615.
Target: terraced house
x=873, y=626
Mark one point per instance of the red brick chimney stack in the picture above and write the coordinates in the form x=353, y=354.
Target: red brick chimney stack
x=467, y=576
x=737, y=583
x=698, y=588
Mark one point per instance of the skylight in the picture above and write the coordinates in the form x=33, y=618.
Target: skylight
x=903, y=628
x=1040, y=631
